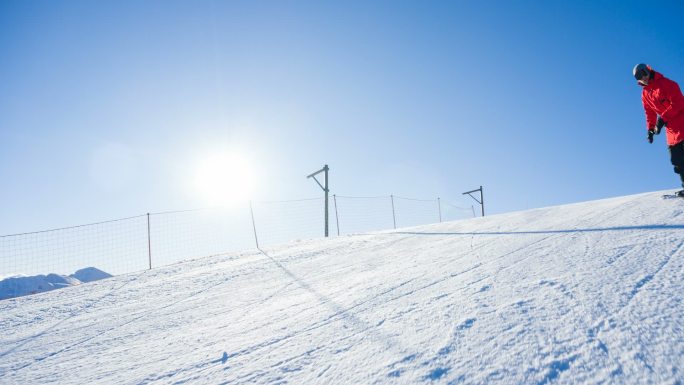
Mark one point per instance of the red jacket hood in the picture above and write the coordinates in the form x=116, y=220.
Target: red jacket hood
x=656, y=77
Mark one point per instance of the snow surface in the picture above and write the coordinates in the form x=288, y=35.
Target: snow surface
x=587, y=293
x=18, y=285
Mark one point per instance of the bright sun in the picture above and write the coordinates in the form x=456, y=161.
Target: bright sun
x=225, y=178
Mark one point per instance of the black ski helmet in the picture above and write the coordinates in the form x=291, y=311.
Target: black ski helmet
x=640, y=70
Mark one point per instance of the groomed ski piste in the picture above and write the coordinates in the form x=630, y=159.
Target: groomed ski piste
x=587, y=293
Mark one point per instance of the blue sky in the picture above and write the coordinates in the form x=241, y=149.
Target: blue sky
x=108, y=109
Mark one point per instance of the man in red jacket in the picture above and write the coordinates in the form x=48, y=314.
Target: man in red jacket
x=664, y=106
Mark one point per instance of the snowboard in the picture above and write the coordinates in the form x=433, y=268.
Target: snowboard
x=672, y=196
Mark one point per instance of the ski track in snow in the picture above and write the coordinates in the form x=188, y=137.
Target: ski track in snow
x=584, y=293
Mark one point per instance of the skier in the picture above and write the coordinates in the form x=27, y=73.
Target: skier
x=664, y=106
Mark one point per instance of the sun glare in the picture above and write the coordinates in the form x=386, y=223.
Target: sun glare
x=225, y=179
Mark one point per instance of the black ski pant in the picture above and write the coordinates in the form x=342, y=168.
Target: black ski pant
x=677, y=159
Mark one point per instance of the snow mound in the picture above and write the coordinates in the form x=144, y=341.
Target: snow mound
x=589, y=293
x=19, y=285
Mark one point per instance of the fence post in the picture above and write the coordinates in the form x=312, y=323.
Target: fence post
x=337, y=217
x=251, y=210
x=439, y=208
x=149, y=241
x=394, y=217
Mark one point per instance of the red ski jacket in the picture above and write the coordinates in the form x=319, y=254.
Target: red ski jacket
x=663, y=97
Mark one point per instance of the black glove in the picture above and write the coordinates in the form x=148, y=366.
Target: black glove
x=660, y=123
x=651, y=132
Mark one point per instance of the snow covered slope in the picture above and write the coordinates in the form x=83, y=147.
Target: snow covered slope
x=585, y=293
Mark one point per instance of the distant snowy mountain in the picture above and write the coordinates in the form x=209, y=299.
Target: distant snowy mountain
x=588, y=293
x=90, y=274
x=16, y=286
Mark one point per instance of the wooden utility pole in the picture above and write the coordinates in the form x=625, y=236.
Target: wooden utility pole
x=480, y=201
x=325, y=189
